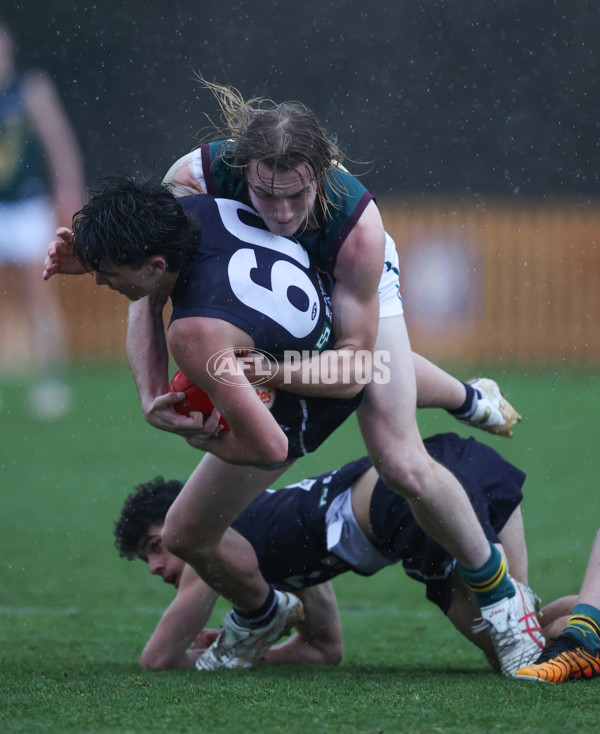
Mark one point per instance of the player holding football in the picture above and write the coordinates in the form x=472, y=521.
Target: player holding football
x=190, y=528
x=308, y=533
x=278, y=159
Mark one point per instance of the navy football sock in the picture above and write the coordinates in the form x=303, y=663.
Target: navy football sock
x=468, y=407
x=257, y=617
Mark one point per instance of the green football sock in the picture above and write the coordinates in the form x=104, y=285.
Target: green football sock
x=491, y=582
x=584, y=626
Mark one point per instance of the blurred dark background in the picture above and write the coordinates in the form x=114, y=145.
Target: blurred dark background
x=461, y=97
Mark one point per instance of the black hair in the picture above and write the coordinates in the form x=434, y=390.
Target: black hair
x=147, y=505
x=125, y=222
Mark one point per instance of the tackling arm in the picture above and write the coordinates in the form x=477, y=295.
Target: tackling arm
x=181, y=179
x=59, y=259
x=355, y=302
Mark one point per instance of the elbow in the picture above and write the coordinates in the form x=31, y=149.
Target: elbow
x=355, y=368
x=349, y=391
x=267, y=446
x=274, y=453
x=157, y=660
x=149, y=661
x=333, y=653
x=160, y=657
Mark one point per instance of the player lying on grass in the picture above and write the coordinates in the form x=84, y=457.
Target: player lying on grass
x=574, y=654
x=233, y=286
x=308, y=533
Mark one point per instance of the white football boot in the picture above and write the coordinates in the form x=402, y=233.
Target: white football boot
x=493, y=413
x=244, y=647
x=513, y=626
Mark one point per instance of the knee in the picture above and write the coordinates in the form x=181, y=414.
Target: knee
x=183, y=538
x=406, y=473
x=334, y=653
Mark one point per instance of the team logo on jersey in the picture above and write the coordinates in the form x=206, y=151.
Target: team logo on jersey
x=258, y=366
x=324, y=337
x=267, y=396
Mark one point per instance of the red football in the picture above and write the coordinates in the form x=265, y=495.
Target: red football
x=195, y=401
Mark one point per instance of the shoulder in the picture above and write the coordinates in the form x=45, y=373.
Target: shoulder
x=344, y=190
x=369, y=224
x=340, y=179
x=344, y=203
x=364, y=248
x=197, y=207
x=181, y=176
x=201, y=170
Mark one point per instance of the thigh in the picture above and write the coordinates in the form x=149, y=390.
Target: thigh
x=216, y=493
x=387, y=413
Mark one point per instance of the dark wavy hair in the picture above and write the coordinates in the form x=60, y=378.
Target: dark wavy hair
x=147, y=505
x=126, y=222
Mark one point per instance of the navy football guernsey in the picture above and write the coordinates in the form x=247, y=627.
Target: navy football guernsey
x=266, y=285
x=288, y=528
x=259, y=281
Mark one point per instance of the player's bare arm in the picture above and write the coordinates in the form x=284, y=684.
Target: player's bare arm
x=170, y=643
x=355, y=302
x=319, y=638
x=180, y=636
x=147, y=351
x=254, y=438
x=148, y=358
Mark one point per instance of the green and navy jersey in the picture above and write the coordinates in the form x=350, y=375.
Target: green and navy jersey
x=347, y=195
x=23, y=172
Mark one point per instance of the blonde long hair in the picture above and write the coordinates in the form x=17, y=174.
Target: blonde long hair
x=282, y=136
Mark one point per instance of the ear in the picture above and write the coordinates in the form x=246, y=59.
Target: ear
x=157, y=264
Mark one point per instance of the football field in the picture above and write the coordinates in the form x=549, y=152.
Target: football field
x=74, y=616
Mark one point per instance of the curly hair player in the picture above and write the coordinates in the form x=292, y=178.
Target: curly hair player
x=310, y=532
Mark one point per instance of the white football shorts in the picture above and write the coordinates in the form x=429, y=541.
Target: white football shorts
x=390, y=300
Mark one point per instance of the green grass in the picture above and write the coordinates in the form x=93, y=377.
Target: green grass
x=74, y=616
